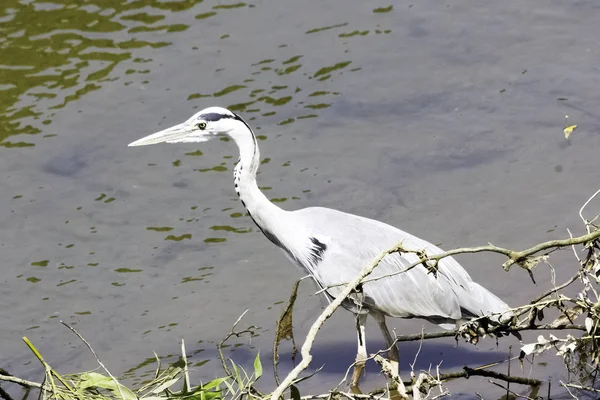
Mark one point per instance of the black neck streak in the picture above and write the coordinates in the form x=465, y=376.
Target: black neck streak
x=238, y=118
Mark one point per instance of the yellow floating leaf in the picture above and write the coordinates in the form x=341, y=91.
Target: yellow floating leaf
x=568, y=130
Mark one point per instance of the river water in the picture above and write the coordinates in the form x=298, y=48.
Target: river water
x=442, y=118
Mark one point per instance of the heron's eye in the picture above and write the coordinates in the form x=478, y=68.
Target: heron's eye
x=201, y=126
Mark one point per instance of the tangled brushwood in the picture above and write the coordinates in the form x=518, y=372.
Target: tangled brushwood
x=567, y=316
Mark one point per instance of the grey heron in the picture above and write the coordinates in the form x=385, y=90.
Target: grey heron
x=333, y=246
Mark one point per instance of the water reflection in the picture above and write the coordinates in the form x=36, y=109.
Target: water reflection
x=55, y=52
x=179, y=238
x=262, y=99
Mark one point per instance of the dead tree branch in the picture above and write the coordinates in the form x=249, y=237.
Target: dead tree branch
x=21, y=382
x=579, y=387
x=519, y=257
x=443, y=334
x=232, y=333
x=467, y=372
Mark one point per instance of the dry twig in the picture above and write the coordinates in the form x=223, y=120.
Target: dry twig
x=97, y=358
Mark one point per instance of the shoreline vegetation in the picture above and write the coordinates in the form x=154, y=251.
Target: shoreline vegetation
x=573, y=334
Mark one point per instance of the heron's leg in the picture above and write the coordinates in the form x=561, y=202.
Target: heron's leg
x=393, y=352
x=361, y=353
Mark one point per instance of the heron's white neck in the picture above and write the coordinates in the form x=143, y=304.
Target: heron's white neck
x=264, y=213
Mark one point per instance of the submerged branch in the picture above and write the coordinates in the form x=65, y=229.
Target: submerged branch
x=579, y=387
x=468, y=372
x=454, y=333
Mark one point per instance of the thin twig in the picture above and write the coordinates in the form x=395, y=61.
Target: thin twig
x=4, y=394
x=443, y=392
x=508, y=370
x=514, y=256
x=468, y=372
x=97, y=358
x=412, y=366
x=186, y=373
x=229, y=335
x=573, y=247
x=579, y=387
x=510, y=392
x=49, y=372
x=586, y=222
x=569, y=390
x=555, y=289
x=347, y=395
x=22, y=382
x=442, y=334
x=19, y=381
x=416, y=387
x=441, y=395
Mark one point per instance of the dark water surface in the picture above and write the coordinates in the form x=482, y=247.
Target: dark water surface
x=442, y=118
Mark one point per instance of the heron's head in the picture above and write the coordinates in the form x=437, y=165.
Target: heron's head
x=202, y=126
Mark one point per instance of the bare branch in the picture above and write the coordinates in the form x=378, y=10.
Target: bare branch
x=4, y=394
x=453, y=333
x=510, y=393
x=416, y=387
x=468, y=372
x=585, y=221
x=514, y=256
x=231, y=333
x=360, y=396
x=22, y=382
x=586, y=388
x=552, y=244
x=97, y=358
x=555, y=289
x=412, y=366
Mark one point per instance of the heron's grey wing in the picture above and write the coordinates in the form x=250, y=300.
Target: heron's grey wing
x=353, y=242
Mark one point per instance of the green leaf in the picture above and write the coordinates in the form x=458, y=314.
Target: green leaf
x=164, y=386
x=94, y=379
x=157, y=372
x=213, y=395
x=171, y=372
x=186, y=376
x=294, y=393
x=197, y=395
x=237, y=376
x=200, y=395
x=232, y=391
x=215, y=383
x=258, y=371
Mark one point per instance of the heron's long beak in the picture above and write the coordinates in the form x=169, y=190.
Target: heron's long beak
x=171, y=133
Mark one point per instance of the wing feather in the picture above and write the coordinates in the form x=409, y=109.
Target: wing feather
x=353, y=242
